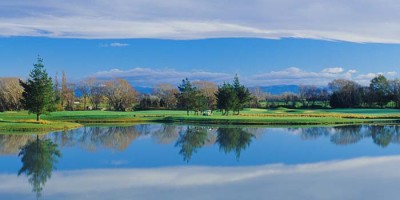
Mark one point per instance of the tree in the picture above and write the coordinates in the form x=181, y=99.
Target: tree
x=380, y=87
x=345, y=94
x=38, y=158
x=167, y=94
x=257, y=95
x=207, y=91
x=186, y=96
x=242, y=93
x=96, y=91
x=227, y=99
x=232, y=97
x=309, y=94
x=120, y=94
x=67, y=93
x=57, y=94
x=394, y=88
x=38, y=95
x=10, y=94
x=83, y=88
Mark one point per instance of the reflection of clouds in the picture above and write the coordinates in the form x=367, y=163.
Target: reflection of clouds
x=348, y=179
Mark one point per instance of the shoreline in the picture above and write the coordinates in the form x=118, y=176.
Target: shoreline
x=21, y=122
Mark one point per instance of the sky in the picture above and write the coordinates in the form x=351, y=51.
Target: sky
x=265, y=42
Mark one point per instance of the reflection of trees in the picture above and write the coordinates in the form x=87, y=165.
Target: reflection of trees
x=233, y=139
x=38, y=158
x=381, y=135
x=344, y=135
x=191, y=140
x=395, y=134
x=118, y=138
x=166, y=134
x=311, y=133
x=340, y=135
x=11, y=144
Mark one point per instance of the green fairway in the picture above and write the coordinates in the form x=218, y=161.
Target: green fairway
x=22, y=121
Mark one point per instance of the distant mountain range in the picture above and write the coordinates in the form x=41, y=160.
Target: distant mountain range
x=279, y=89
x=274, y=89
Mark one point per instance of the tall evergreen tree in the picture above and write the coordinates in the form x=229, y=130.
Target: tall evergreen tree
x=187, y=95
x=227, y=99
x=242, y=93
x=38, y=95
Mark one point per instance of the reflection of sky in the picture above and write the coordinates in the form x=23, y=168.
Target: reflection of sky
x=273, y=145
x=144, y=161
x=360, y=178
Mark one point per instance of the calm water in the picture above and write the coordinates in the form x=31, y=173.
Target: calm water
x=159, y=161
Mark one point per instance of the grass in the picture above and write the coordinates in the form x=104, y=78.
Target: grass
x=23, y=122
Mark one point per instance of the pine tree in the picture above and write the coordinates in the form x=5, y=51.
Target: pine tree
x=38, y=95
x=243, y=94
x=187, y=95
x=227, y=99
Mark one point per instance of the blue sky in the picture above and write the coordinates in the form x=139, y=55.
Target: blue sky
x=265, y=42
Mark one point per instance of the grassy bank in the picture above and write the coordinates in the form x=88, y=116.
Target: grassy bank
x=23, y=122
x=36, y=127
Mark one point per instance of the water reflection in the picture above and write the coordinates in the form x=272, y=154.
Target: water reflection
x=189, y=139
x=233, y=140
x=39, y=154
x=38, y=158
x=360, y=178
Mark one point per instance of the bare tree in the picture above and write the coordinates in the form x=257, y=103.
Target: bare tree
x=67, y=93
x=120, y=94
x=95, y=91
x=257, y=96
x=10, y=94
x=167, y=94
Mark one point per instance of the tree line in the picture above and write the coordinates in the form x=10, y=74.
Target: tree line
x=40, y=94
x=339, y=93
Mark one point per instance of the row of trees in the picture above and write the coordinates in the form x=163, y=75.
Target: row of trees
x=339, y=93
x=40, y=94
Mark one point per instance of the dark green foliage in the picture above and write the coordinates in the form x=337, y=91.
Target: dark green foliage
x=227, y=99
x=242, y=93
x=233, y=140
x=232, y=97
x=38, y=95
x=190, y=98
x=346, y=94
x=191, y=140
x=38, y=158
x=199, y=103
x=380, y=88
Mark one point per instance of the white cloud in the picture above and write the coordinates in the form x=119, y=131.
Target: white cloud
x=334, y=70
x=114, y=44
x=391, y=73
x=345, y=179
x=292, y=75
x=322, y=19
x=151, y=77
x=117, y=44
x=352, y=71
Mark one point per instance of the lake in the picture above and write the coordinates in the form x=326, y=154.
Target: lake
x=167, y=161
